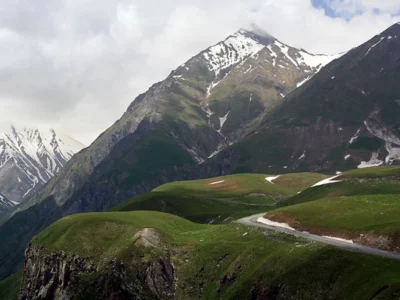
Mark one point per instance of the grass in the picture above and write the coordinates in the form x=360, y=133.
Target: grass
x=363, y=206
x=233, y=196
x=243, y=184
x=197, y=209
x=369, y=181
x=353, y=215
x=224, y=261
x=9, y=287
x=375, y=172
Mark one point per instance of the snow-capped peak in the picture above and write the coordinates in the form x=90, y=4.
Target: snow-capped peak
x=30, y=157
x=235, y=49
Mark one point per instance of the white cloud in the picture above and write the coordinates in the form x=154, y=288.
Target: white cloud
x=351, y=7
x=76, y=65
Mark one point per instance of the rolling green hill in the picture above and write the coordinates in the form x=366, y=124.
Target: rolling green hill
x=221, y=198
x=364, y=206
x=208, y=262
x=368, y=181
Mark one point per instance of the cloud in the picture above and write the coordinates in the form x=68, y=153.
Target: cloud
x=77, y=65
x=360, y=6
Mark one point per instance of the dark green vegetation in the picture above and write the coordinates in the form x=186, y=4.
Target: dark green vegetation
x=224, y=261
x=232, y=196
x=9, y=287
x=364, y=206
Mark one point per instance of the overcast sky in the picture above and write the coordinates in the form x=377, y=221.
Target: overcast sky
x=76, y=65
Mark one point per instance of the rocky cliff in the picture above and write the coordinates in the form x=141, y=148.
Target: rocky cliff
x=62, y=275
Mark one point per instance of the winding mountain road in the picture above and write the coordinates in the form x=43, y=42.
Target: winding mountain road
x=252, y=221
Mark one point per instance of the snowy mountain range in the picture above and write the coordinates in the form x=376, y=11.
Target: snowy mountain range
x=29, y=158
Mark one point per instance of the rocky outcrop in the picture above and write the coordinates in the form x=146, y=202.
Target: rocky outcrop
x=50, y=276
x=61, y=275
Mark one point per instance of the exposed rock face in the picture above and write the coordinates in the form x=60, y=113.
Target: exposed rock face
x=61, y=275
x=49, y=276
x=160, y=279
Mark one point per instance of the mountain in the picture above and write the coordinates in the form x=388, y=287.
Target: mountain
x=202, y=107
x=29, y=158
x=345, y=117
x=5, y=204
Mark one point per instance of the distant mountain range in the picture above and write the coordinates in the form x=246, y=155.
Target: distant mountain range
x=29, y=158
x=247, y=104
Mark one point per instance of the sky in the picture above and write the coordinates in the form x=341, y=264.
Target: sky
x=76, y=65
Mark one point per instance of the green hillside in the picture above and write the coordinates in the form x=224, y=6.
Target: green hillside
x=216, y=199
x=363, y=206
x=368, y=181
x=221, y=261
x=9, y=287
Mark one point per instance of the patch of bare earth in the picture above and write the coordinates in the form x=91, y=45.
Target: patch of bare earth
x=147, y=237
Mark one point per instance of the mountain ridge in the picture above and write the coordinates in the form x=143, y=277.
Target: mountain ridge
x=30, y=157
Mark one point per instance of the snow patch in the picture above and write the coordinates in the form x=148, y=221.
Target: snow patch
x=392, y=142
x=265, y=221
x=373, y=46
x=338, y=239
x=249, y=69
x=347, y=157
x=223, y=120
x=316, y=61
x=373, y=162
x=327, y=181
x=303, y=81
x=354, y=137
x=217, y=182
x=270, y=179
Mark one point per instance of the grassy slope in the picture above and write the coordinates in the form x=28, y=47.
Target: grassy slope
x=365, y=202
x=9, y=287
x=369, y=181
x=205, y=257
x=237, y=196
x=351, y=215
